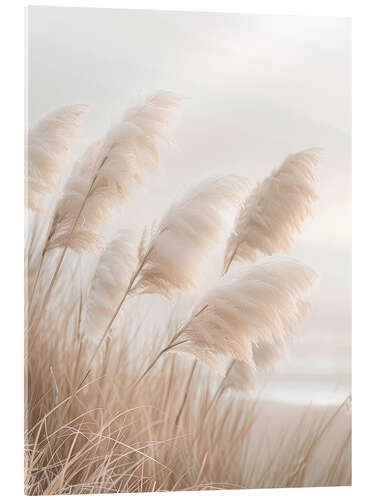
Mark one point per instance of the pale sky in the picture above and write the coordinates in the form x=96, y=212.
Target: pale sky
x=260, y=88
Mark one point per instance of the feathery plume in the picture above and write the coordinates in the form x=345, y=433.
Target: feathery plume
x=187, y=233
x=111, y=279
x=263, y=303
x=275, y=209
x=76, y=196
x=47, y=149
x=241, y=375
x=110, y=170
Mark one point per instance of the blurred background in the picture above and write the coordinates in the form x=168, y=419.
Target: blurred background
x=259, y=88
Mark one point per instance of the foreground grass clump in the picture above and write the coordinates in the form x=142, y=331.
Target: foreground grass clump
x=121, y=399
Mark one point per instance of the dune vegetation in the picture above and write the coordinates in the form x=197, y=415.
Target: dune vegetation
x=118, y=400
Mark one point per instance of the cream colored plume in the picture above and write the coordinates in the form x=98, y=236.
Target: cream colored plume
x=261, y=303
x=241, y=375
x=47, y=150
x=107, y=175
x=275, y=209
x=186, y=235
x=84, y=237
x=111, y=280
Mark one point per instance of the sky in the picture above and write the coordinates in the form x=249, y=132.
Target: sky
x=259, y=88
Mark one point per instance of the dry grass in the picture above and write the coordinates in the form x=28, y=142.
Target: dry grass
x=90, y=428
x=112, y=437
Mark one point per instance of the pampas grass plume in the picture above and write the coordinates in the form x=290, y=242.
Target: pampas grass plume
x=47, y=150
x=261, y=303
x=187, y=234
x=114, y=167
x=275, y=209
x=111, y=279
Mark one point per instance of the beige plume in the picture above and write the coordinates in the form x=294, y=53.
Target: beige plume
x=275, y=209
x=111, y=279
x=107, y=175
x=84, y=238
x=241, y=375
x=262, y=303
x=187, y=234
x=47, y=150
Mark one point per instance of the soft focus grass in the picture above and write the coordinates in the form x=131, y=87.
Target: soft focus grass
x=110, y=436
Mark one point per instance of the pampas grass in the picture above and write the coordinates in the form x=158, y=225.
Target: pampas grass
x=89, y=427
x=191, y=227
x=275, y=209
x=266, y=224
x=48, y=147
x=111, y=280
x=114, y=167
x=262, y=303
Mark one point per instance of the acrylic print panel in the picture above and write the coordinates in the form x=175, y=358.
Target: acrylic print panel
x=189, y=251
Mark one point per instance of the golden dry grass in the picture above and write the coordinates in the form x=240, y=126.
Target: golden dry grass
x=110, y=436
